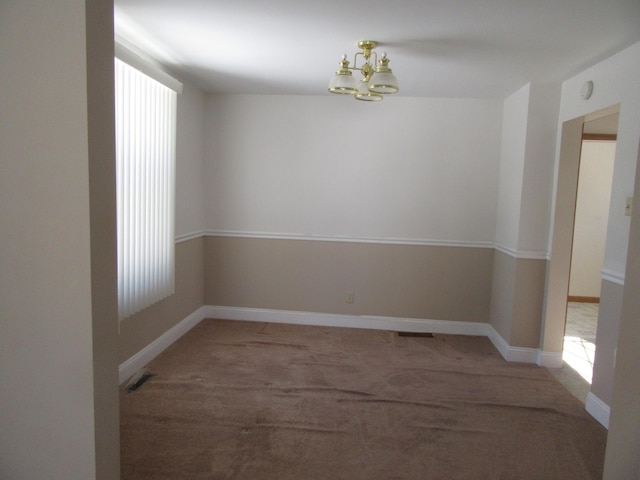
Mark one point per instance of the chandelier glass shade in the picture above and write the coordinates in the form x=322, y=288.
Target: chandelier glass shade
x=365, y=93
x=343, y=82
x=377, y=78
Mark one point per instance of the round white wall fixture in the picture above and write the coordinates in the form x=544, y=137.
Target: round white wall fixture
x=586, y=90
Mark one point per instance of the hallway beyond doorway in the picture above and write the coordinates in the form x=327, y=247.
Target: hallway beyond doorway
x=579, y=348
x=580, y=337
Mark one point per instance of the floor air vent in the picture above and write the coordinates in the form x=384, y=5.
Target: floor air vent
x=137, y=381
x=415, y=334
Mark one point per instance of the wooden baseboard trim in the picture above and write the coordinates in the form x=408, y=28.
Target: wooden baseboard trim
x=607, y=137
x=576, y=298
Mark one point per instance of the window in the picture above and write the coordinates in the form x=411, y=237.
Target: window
x=145, y=188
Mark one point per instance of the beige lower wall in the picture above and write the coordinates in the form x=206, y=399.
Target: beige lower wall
x=502, y=293
x=528, y=303
x=517, y=298
x=409, y=281
x=141, y=329
x=606, y=340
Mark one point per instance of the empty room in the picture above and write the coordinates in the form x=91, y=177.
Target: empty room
x=313, y=240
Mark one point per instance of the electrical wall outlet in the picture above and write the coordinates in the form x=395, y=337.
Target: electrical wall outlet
x=349, y=297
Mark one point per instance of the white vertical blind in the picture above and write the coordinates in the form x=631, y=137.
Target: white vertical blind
x=145, y=189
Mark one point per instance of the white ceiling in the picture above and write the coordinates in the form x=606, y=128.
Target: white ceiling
x=437, y=48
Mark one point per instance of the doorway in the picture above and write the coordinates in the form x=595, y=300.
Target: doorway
x=559, y=267
x=595, y=175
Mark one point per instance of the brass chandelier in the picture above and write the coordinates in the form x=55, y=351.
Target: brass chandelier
x=377, y=78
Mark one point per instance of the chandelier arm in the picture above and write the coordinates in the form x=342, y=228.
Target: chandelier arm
x=355, y=60
x=367, y=60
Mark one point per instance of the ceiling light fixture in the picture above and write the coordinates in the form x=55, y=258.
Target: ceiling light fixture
x=376, y=80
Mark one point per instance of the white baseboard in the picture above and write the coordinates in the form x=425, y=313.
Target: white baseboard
x=597, y=409
x=509, y=353
x=151, y=351
x=350, y=321
x=524, y=355
x=549, y=359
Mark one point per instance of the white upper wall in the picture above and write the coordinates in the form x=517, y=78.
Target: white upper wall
x=189, y=162
x=615, y=81
x=512, y=156
x=526, y=170
x=537, y=186
x=413, y=169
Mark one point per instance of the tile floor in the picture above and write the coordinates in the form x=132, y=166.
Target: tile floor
x=579, y=348
x=580, y=337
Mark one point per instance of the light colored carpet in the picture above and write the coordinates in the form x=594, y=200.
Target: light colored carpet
x=244, y=400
